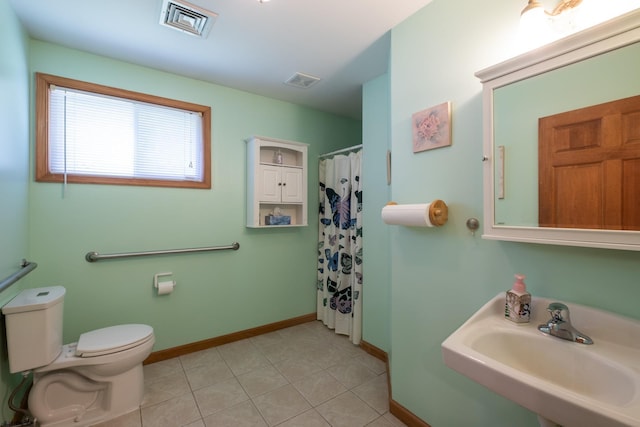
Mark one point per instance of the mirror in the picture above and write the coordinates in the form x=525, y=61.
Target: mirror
x=591, y=67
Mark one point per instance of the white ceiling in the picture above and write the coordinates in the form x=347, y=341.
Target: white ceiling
x=252, y=46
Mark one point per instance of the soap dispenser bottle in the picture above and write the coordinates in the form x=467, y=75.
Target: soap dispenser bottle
x=517, y=307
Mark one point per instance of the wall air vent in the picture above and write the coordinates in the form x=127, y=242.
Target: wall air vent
x=302, y=80
x=186, y=17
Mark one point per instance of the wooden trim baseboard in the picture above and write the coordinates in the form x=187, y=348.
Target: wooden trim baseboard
x=375, y=351
x=181, y=350
x=396, y=409
x=405, y=415
x=382, y=355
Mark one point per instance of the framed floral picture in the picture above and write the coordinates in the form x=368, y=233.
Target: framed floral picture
x=432, y=127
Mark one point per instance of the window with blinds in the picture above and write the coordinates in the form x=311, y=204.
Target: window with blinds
x=89, y=133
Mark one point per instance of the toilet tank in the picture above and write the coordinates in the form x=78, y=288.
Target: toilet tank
x=34, y=327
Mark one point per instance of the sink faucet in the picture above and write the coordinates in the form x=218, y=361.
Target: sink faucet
x=560, y=325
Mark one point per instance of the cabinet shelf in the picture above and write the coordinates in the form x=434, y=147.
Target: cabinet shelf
x=280, y=164
x=276, y=183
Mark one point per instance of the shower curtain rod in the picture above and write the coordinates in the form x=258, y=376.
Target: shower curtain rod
x=344, y=150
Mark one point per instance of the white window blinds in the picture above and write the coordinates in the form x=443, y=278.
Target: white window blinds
x=98, y=135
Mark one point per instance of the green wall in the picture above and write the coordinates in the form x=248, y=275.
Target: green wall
x=14, y=142
x=271, y=277
x=376, y=296
x=440, y=277
x=14, y=167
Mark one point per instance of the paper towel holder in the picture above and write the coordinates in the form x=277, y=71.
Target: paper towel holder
x=438, y=212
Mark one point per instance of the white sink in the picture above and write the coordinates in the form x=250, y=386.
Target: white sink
x=570, y=383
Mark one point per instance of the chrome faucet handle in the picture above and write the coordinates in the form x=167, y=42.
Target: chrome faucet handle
x=560, y=325
x=559, y=312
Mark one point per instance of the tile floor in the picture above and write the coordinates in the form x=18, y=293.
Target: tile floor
x=296, y=377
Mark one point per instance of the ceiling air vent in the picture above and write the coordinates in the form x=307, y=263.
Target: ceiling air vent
x=186, y=17
x=302, y=80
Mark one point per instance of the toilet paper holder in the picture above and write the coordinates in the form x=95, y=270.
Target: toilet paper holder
x=157, y=276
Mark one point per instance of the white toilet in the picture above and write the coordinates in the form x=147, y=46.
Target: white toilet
x=78, y=384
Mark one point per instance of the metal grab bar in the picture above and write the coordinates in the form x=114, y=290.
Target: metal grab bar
x=95, y=256
x=26, y=267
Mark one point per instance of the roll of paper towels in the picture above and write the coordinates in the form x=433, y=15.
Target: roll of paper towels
x=165, y=288
x=432, y=214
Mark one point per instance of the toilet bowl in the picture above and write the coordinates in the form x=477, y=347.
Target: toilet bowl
x=95, y=379
x=83, y=387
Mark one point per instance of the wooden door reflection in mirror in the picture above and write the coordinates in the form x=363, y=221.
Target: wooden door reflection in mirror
x=589, y=167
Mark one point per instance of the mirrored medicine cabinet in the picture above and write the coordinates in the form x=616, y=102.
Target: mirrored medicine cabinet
x=594, y=66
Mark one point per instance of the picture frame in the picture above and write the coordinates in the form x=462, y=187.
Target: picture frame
x=431, y=128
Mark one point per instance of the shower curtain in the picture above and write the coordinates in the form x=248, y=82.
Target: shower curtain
x=339, y=302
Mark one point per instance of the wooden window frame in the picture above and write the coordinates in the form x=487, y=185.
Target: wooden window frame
x=43, y=174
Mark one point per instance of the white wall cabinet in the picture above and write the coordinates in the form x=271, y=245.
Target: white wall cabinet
x=276, y=182
x=280, y=184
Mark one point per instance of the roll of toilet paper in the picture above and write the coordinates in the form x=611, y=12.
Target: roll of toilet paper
x=165, y=288
x=416, y=215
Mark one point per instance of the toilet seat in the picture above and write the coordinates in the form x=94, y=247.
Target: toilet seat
x=112, y=339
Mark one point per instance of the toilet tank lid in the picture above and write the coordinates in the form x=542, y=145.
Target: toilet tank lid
x=112, y=339
x=35, y=299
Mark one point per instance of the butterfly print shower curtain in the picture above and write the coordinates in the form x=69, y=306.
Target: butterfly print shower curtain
x=339, y=302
